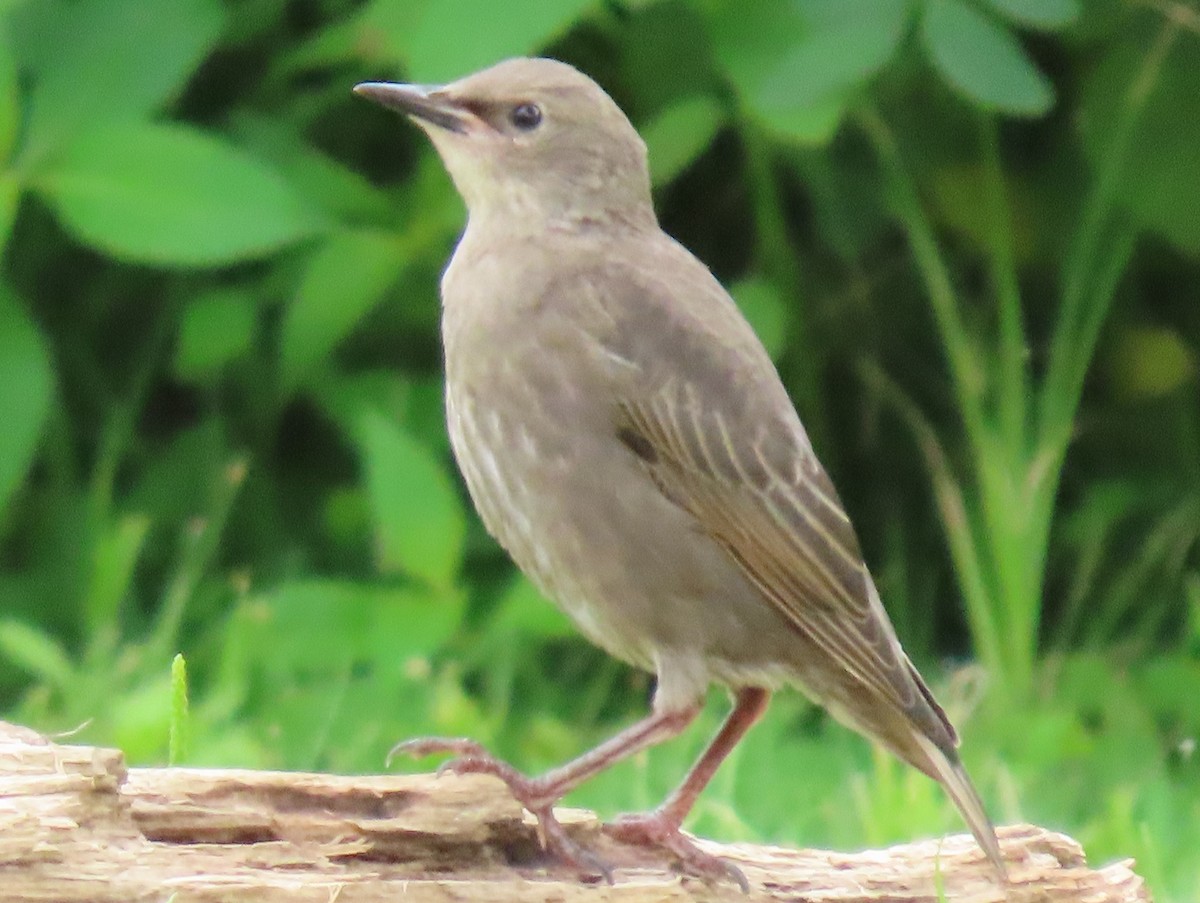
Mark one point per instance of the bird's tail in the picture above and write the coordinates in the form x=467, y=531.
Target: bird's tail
x=948, y=771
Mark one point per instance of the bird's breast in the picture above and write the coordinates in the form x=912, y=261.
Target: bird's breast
x=524, y=475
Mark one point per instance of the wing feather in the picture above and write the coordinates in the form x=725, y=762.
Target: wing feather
x=780, y=522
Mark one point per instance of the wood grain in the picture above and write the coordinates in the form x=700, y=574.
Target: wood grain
x=77, y=825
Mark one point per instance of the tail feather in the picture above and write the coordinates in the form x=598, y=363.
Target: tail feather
x=947, y=770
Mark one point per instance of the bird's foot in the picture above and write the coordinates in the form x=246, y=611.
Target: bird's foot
x=470, y=758
x=532, y=793
x=659, y=830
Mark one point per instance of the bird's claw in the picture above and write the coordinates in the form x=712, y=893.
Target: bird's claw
x=420, y=747
x=654, y=829
x=559, y=845
x=471, y=757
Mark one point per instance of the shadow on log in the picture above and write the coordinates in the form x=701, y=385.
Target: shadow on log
x=76, y=825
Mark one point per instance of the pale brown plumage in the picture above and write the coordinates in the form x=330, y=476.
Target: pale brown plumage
x=626, y=437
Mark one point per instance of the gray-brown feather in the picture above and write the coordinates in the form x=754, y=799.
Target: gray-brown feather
x=728, y=448
x=687, y=470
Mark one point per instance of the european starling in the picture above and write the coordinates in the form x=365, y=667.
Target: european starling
x=627, y=439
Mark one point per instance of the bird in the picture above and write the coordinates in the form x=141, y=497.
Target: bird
x=625, y=436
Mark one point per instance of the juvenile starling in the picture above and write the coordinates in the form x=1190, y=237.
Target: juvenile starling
x=626, y=438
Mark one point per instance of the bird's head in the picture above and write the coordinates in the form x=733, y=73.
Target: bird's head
x=531, y=141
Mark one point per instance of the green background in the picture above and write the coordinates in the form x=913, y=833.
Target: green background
x=967, y=230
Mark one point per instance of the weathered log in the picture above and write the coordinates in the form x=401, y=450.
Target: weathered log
x=77, y=825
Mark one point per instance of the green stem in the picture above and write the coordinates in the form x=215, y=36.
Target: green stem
x=200, y=543
x=1045, y=470
x=967, y=376
x=984, y=553
x=121, y=425
x=1059, y=403
x=961, y=532
x=1082, y=312
x=1014, y=367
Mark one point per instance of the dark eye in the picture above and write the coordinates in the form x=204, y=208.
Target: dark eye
x=526, y=116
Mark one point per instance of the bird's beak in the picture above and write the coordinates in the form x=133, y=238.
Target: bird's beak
x=422, y=103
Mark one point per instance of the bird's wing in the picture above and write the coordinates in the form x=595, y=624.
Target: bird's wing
x=716, y=432
x=780, y=521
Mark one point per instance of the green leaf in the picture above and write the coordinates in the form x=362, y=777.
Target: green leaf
x=175, y=484
x=36, y=652
x=346, y=397
x=956, y=191
x=522, y=609
x=216, y=328
x=666, y=55
x=26, y=390
x=317, y=625
x=1150, y=361
x=1160, y=181
x=767, y=312
x=1192, y=589
x=845, y=42
x=140, y=717
x=345, y=278
x=10, y=97
x=680, y=134
x=795, y=64
x=983, y=61
x=178, y=730
x=10, y=198
x=344, y=665
x=1047, y=14
x=165, y=194
x=411, y=622
x=114, y=559
x=107, y=61
x=379, y=33
x=811, y=125
x=1167, y=685
x=337, y=190
x=455, y=37
x=420, y=522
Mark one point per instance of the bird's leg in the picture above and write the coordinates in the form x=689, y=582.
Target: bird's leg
x=539, y=794
x=662, y=826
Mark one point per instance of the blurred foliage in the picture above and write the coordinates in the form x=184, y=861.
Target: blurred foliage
x=966, y=229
